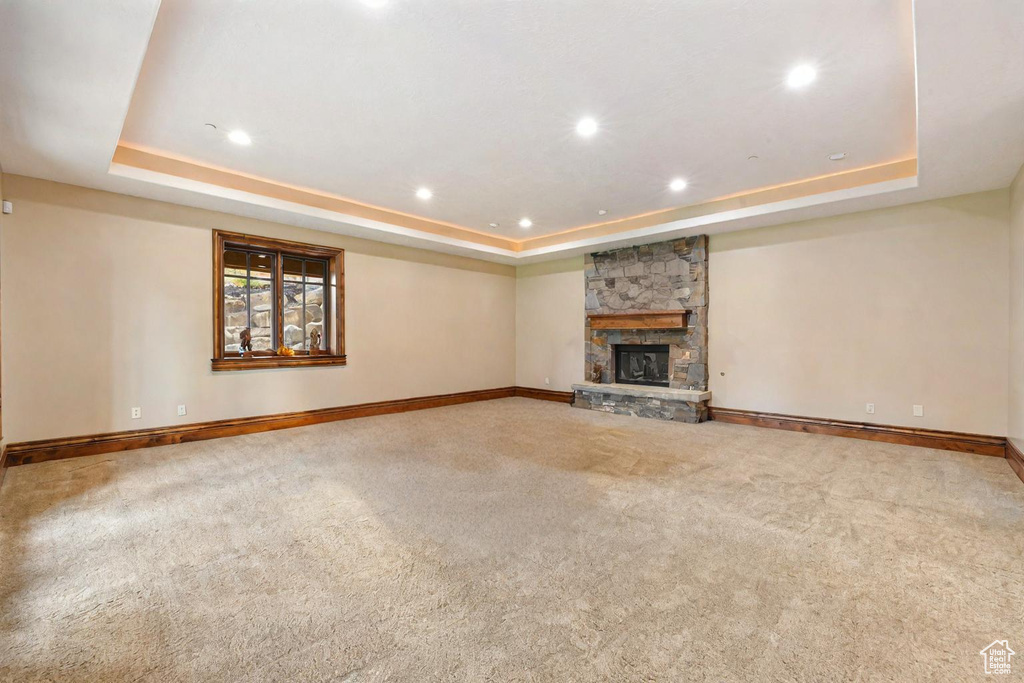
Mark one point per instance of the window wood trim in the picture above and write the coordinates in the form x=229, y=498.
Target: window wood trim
x=334, y=318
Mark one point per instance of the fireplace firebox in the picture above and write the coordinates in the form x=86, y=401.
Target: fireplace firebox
x=642, y=364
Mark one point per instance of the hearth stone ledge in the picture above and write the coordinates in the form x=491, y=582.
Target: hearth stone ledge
x=661, y=403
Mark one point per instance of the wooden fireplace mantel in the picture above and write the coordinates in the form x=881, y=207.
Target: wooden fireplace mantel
x=646, y=320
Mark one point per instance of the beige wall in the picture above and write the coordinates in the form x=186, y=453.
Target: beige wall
x=549, y=324
x=1016, y=410
x=108, y=305
x=897, y=307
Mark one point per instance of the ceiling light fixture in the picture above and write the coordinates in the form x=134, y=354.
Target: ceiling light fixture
x=494, y=225
x=753, y=157
x=838, y=156
x=239, y=137
x=677, y=185
x=525, y=223
x=801, y=75
x=424, y=193
x=601, y=212
x=586, y=127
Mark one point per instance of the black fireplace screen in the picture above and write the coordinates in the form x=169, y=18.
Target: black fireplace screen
x=642, y=364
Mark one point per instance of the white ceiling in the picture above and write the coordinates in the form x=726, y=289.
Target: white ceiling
x=478, y=101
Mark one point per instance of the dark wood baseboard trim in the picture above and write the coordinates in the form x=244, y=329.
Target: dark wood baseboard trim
x=1015, y=458
x=545, y=394
x=928, y=438
x=3, y=465
x=28, y=452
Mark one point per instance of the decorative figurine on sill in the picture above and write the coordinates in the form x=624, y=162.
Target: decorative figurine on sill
x=314, y=342
x=246, y=341
x=596, y=373
x=283, y=350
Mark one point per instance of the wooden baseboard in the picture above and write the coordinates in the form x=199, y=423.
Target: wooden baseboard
x=27, y=452
x=3, y=465
x=1015, y=458
x=545, y=394
x=928, y=438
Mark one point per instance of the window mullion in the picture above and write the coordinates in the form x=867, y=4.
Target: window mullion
x=279, y=299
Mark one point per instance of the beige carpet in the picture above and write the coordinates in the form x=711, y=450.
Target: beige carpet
x=511, y=540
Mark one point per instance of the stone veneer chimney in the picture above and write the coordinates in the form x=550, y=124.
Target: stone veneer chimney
x=666, y=276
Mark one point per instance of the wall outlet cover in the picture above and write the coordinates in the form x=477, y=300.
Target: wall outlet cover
x=870, y=408
x=181, y=410
x=918, y=411
x=136, y=413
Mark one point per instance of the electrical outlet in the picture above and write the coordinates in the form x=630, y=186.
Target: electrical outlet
x=547, y=380
x=870, y=408
x=181, y=410
x=918, y=411
x=136, y=413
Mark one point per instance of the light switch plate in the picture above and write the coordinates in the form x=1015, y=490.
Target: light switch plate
x=870, y=408
x=181, y=410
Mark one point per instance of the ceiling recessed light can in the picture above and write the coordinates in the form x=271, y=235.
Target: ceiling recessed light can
x=801, y=75
x=586, y=127
x=677, y=185
x=602, y=212
x=525, y=223
x=494, y=225
x=838, y=156
x=424, y=193
x=239, y=137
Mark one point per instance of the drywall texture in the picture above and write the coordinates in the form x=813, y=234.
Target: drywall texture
x=549, y=324
x=896, y=307
x=108, y=305
x=1015, y=427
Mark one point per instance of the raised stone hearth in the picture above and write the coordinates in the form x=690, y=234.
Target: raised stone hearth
x=650, y=295
x=680, y=405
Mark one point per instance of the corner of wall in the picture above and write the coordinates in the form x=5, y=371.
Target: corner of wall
x=1015, y=418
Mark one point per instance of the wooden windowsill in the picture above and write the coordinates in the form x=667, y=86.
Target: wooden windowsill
x=262, y=362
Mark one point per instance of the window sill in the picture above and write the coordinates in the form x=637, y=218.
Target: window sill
x=263, y=362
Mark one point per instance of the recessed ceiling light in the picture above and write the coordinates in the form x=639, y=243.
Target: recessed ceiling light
x=801, y=76
x=374, y=3
x=586, y=127
x=838, y=156
x=677, y=185
x=753, y=157
x=601, y=212
x=494, y=225
x=424, y=193
x=239, y=137
x=525, y=223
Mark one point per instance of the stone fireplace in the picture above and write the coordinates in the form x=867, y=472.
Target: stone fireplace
x=646, y=331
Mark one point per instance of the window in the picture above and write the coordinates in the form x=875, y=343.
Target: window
x=277, y=303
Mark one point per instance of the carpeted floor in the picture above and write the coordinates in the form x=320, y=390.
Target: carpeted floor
x=511, y=540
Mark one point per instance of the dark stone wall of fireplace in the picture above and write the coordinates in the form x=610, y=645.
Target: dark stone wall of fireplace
x=666, y=276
